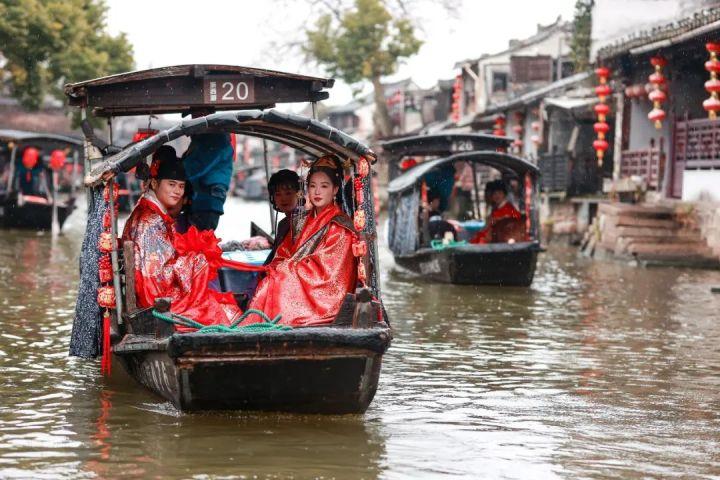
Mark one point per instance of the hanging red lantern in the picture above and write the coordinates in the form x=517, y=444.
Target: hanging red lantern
x=105, y=242
x=657, y=96
x=30, y=157
x=536, y=139
x=499, y=126
x=602, y=109
x=106, y=296
x=712, y=104
x=518, y=129
x=57, y=159
x=535, y=126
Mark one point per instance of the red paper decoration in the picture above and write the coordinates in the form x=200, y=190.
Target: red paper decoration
x=712, y=104
x=456, y=97
x=30, y=157
x=602, y=110
x=656, y=95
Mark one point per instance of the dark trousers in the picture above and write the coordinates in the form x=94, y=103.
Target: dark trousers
x=205, y=220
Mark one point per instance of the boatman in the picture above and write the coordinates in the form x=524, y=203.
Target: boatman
x=208, y=164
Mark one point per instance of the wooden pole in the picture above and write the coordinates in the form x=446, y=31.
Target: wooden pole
x=267, y=179
x=476, y=206
x=55, y=224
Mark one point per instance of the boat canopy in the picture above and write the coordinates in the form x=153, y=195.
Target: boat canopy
x=305, y=134
x=503, y=162
x=183, y=88
x=443, y=144
x=25, y=136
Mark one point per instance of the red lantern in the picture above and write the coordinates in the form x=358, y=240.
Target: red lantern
x=602, y=110
x=601, y=127
x=359, y=220
x=712, y=104
x=30, y=157
x=535, y=139
x=57, y=159
x=106, y=296
x=499, y=124
x=143, y=133
x=535, y=126
x=500, y=120
x=657, y=96
x=363, y=167
x=105, y=242
x=518, y=129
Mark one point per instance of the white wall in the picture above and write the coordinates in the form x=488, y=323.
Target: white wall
x=701, y=185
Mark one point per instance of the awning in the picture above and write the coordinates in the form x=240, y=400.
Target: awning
x=567, y=103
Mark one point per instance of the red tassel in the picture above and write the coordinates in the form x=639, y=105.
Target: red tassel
x=28, y=177
x=106, y=353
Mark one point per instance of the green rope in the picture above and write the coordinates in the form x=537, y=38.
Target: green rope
x=265, y=326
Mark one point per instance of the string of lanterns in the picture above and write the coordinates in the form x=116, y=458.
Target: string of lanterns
x=657, y=95
x=518, y=129
x=457, y=90
x=106, y=292
x=360, y=183
x=499, y=126
x=602, y=110
x=712, y=104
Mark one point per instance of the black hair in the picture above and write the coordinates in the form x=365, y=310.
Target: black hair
x=165, y=152
x=284, y=178
x=335, y=173
x=496, y=186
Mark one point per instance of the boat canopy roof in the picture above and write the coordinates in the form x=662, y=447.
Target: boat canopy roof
x=443, y=144
x=305, y=134
x=183, y=88
x=25, y=136
x=503, y=162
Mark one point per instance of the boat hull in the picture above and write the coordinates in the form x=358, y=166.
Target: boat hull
x=31, y=216
x=492, y=264
x=308, y=370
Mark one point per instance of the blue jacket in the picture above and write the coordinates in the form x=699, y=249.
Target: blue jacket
x=208, y=165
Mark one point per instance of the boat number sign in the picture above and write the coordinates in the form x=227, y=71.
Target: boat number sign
x=220, y=90
x=462, y=146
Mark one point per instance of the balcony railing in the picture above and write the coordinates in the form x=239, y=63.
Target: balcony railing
x=697, y=143
x=644, y=164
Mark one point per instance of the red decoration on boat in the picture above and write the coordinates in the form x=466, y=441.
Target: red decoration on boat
x=363, y=167
x=357, y=183
x=361, y=273
x=712, y=104
x=105, y=269
x=457, y=96
x=359, y=220
x=408, y=163
x=115, y=191
x=106, y=296
x=105, y=242
x=657, y=96
x=57, y=159
x=602, y=109
x=105, y=363
x=359, y=249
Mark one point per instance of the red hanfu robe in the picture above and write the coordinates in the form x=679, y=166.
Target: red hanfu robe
x=162, y=271
x=310, y=275
x=506, y=210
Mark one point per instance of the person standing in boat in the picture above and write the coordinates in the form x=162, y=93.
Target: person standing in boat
x=170, y=264
x=502, y=210
x=208, y=163
x=308, y=278
x=284, y=189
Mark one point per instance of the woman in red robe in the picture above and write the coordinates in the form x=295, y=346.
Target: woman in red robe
x=311, y=273
x=502, y=210
x=168, y=264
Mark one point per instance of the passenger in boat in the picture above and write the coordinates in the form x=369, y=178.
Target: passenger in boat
x=310, y=275
x=208, y=163
x=284, y=189
x=170, y=264
x=437, y=225
x=504, y=221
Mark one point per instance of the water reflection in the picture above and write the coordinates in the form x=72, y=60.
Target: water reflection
x=598, y=370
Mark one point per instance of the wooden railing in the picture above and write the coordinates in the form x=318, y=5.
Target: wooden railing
x=697, y=143
x=642, y=163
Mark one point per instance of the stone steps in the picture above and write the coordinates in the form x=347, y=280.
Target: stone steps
x=652, y=235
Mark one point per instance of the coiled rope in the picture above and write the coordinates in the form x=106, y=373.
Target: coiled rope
x=266, y=325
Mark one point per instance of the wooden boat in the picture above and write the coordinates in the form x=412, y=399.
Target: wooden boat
x=54, y=196
x=330, y=369
x=509, y=261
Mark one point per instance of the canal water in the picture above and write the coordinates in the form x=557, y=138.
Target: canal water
x=599, y=370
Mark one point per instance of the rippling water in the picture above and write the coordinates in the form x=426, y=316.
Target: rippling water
x=599, y=370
